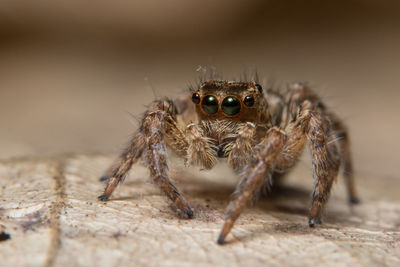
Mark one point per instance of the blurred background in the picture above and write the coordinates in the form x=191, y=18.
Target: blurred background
x=72, y=71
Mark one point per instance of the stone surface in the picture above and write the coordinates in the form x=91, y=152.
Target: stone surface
x=49, y=209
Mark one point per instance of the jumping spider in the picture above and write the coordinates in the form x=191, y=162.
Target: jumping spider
x=261, y=133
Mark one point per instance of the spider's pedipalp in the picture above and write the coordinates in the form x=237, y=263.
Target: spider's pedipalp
x=201, y=151
x=241, y=149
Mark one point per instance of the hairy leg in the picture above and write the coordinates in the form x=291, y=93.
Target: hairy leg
x=309, y=123
x=308, y=118
x=337, y=131
x=132, y=153
x=253, y=178
x=325, y=164
x=117, y=172
x=342, y=138
x=151, y=139
x=153, y=129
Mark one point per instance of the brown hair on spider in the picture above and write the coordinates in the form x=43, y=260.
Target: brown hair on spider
x=262, y=134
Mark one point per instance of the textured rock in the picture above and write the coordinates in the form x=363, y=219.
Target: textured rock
x=48, y=207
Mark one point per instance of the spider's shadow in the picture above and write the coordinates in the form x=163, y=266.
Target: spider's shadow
x=279, y=197
x=281, y=200
x=198, y=190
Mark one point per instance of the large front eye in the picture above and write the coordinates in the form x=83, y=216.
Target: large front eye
x=231, y=105
x=210, y=104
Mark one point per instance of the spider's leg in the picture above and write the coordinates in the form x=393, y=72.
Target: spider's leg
x=254, y=176
x=310, y=122
x=153, y=128
x=342, y=138
x=134, y=145
x=309, y=118
x=117, y=172
x=158, y=126
x=337, y=131
x=325, y=163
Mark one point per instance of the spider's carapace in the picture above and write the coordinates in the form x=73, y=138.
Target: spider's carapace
x=239, y=101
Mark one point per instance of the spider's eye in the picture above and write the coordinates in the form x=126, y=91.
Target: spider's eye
x=259, y=88
x=249, y=101
x=196, y=98
x=210, y=104
x=231, y=105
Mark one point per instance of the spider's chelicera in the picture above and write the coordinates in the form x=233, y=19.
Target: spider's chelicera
x=261, y=133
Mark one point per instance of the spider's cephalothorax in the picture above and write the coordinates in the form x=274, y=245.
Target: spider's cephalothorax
x=260, y=133
x=236, y=101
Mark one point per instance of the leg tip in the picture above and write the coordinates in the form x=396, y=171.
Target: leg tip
x=190, y=213
x=102, y=197
x=184, y=214
x=221, y=240
x=354, y=200
x=312, y=222
x=104, y=179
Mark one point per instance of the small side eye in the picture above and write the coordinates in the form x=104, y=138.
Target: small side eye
x=196, y=98
x=259, y=88
x=249, y=101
